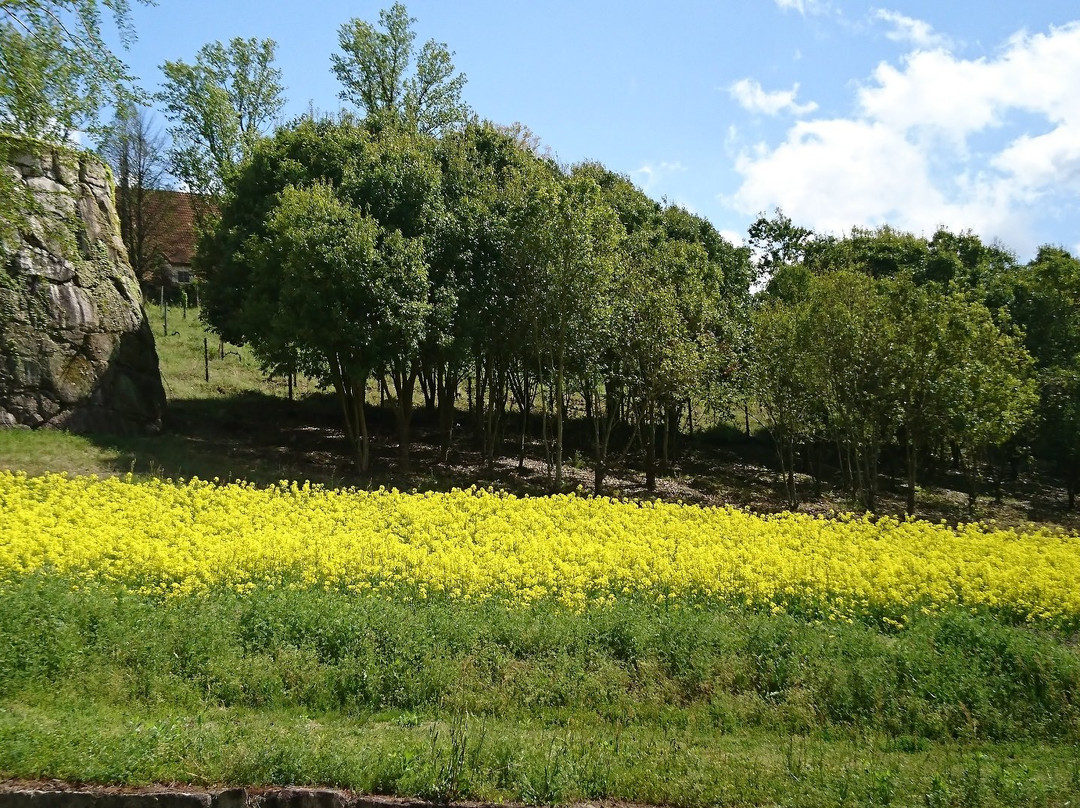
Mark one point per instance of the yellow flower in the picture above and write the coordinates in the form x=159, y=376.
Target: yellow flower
x=175, y=539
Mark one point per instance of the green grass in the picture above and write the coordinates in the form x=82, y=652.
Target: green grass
x=183, y=367
x=497, y=760
x=39, y=451
x=451, y=700
x=202, y=414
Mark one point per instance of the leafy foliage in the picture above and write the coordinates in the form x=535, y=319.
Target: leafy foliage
x=219, y=107
x=374, y=70
x=866, y=351
x=56, y=72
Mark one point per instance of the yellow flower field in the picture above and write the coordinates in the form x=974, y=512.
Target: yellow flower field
x=183, y=538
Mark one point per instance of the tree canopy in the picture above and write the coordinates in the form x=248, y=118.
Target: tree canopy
x=219, y=107
x=56, y=72
x=383, y=74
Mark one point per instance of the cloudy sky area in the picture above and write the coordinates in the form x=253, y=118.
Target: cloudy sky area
x=913, y=114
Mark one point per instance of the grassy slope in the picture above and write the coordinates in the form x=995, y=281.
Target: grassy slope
x=448, y=700
x=236, y=385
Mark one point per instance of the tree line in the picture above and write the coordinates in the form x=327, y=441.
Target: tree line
x=355, y=251
x=408, y=244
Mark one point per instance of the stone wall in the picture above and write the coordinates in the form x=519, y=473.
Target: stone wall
x=76, y=351
x=15, y=794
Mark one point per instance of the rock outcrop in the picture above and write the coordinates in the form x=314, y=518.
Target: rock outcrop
x=76, y=352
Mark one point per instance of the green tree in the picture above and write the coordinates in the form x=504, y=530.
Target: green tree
x=929, y=343
x=777, y=242
x=608, y=376
x=475, y=292
x=959, y=377
x=962, y=262
x=299, y=155
x=1044, y=299
x=782, y=382
x=392, y=179
x=1059, y=423
x=382, y=74
x=670, y=347
x=853, y=342
x=397, y=181
x=56, y=72
x=881, y=252
x=350, y=295
x=992, y=391
x=219, y=108
x=717, y=303
x=565, y=245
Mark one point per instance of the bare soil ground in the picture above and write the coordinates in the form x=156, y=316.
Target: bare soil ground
x=264, y=439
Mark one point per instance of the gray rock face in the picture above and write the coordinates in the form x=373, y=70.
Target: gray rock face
x=76, y=351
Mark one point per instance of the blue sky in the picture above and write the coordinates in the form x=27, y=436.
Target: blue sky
x=914, y=114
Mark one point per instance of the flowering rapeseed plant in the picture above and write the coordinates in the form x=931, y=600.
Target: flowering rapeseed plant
x=181, y=538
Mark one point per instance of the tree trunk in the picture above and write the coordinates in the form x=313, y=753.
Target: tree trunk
x=477, y=407
x=428, y=386
x=447, y=384
x=351, y=436
x=912, y=466
x=523, y=395
x=789, y=476
x=603, y=422
x=649, y=437
x=871, y=464
x=404, y=377
x=496, y=409
x=665, y=443
x=817, y=466
x=545, y=440
x=359, y=397
x=559, y=417
x=351, y=392
x=971, y=471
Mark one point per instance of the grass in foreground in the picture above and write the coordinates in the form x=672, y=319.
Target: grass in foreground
x=447, y=699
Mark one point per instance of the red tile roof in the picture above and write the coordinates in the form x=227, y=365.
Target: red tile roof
x=175, y=232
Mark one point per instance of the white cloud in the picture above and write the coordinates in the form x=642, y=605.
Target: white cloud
x=917, y=33
x=751, y=96
x=821, y=167
x=1040, y=160
x=804, y=7
x=737, y=239
x=935, y=140
x=651, y=174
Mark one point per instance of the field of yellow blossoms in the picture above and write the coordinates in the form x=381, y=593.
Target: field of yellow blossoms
x=183, y=538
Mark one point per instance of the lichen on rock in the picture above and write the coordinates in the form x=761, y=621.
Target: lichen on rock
x=76, y=351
